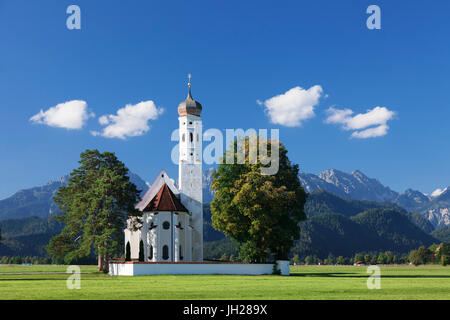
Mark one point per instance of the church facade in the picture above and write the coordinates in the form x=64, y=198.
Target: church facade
x=172, y=214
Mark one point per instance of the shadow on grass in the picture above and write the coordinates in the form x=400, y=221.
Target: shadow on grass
x=47, y=279
x=359, y=275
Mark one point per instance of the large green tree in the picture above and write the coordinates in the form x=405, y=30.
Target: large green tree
x=95, y=205
x=262, y=212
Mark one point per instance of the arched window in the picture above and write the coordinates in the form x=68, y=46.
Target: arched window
x=183, y=138
x=191, y=136
x=181, y=253
x=128, y=252
x=165, y=252
x=166, y=225
x=197, y=137
x=150, y=257
x=141, y=251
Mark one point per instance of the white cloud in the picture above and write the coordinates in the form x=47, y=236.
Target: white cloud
x=374, y=121
x=70, y=115
x=130, y=121
x=379, y=131
x=292, y=107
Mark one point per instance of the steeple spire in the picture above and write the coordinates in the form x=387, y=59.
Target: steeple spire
x=189, y=85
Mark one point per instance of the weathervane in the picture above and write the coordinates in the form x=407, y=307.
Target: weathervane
x=189, y=77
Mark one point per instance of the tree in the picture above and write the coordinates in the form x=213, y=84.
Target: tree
x=16, y=260
x=445, y=260
x=424, y=254
x=382, y=258
x=442, y=253
x=224, y=257
x=414, y=258
x=389, y=257
x=341, y=260
x=296, y=259
x=141, y=251
x=309, y=260
x=395, y=259
x=359, y=257
x=331, y=259
x=95, y=205
x=262, y=212
x=420, y=256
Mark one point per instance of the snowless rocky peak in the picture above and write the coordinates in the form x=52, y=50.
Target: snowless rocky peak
x=354, y=185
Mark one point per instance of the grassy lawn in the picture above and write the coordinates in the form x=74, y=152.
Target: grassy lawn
x=8, y=268
x=305, y=282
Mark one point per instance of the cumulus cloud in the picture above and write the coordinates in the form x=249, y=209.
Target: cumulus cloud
x=379, y=131
x=130, y=121
x=70, y=115
x=371, y=124
x=292, y=107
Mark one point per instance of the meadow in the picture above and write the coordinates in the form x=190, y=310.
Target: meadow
x=306, y=282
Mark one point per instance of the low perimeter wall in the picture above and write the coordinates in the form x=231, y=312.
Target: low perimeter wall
x=139, y=269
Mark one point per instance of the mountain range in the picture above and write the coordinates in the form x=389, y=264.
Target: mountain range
x=38, y=201
x=358, y=186
x=344, y=227
x=347, y=213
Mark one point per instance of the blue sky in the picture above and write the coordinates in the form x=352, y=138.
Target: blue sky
x=239, y=52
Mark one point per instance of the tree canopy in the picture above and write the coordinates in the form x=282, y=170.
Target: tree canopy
x=95, y=205
x=262, y=212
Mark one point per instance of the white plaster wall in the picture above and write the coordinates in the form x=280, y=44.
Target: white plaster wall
x=126, y=233
x=190, y=179
x=154, y=238
x=134, y=237
x=183, y=218
x=207, y=268
x=121, y=269
x=164, y=236
x=158, y=237
x=283, y=266
x=188, y=240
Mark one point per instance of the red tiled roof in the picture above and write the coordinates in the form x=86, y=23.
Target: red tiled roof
x=165, y=200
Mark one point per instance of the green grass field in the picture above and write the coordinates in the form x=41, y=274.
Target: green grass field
x=305, y=282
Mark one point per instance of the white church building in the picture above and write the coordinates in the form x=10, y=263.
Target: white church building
x=171, y=235
x=172, y=219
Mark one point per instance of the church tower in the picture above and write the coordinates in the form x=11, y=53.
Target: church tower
x=190, y=169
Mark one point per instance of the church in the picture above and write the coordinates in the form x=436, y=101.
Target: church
x=170, y=240
x=172, y=213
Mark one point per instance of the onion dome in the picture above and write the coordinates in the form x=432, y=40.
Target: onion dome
x=189, y=106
